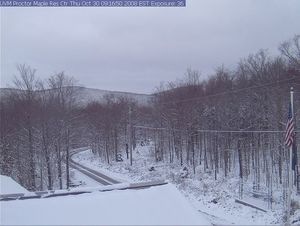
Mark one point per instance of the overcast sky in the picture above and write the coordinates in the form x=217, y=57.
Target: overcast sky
x=134, y=49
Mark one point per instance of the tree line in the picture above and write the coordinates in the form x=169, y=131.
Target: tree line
x=193, y=122
x=234, y=121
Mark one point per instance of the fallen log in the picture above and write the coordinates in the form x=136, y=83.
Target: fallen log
x=249, y=205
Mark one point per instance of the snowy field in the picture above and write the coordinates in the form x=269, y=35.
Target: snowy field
x=213, y=198
x=163, y=205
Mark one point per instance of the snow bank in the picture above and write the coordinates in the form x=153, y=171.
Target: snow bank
x=9, y=186
x=163, y=205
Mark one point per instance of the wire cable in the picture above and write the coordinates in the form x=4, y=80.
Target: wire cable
x=215, y=131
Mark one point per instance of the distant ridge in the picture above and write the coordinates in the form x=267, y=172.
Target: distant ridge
x=88, y=95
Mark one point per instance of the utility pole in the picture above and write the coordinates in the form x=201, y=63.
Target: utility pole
x=296, y=168
x=298, y=179
x=68, y=158
x=130, y=134
x=290, y=167
x=241, y=185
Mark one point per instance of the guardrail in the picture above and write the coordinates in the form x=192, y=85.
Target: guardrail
x=78, y=191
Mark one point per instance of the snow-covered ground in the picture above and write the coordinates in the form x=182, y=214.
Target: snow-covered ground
x=9, y=186
x=81, y=180
x=213, y=198
x=163, y=205
x=209, y=200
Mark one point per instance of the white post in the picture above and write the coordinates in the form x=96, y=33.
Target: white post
x=290, y=167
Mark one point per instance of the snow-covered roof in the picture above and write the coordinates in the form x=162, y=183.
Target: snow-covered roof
x=10, y=186
x=161, y=205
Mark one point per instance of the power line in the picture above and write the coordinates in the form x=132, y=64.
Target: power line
x=229, y=92
x=214, y=131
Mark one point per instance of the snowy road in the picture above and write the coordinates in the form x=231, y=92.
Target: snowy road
x=93, y=174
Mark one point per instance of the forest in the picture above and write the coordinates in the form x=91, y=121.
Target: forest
x=231, y=121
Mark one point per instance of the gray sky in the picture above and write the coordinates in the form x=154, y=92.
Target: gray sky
x=134, y=49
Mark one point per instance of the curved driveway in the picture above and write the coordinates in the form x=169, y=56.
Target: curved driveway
x=93, y=174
